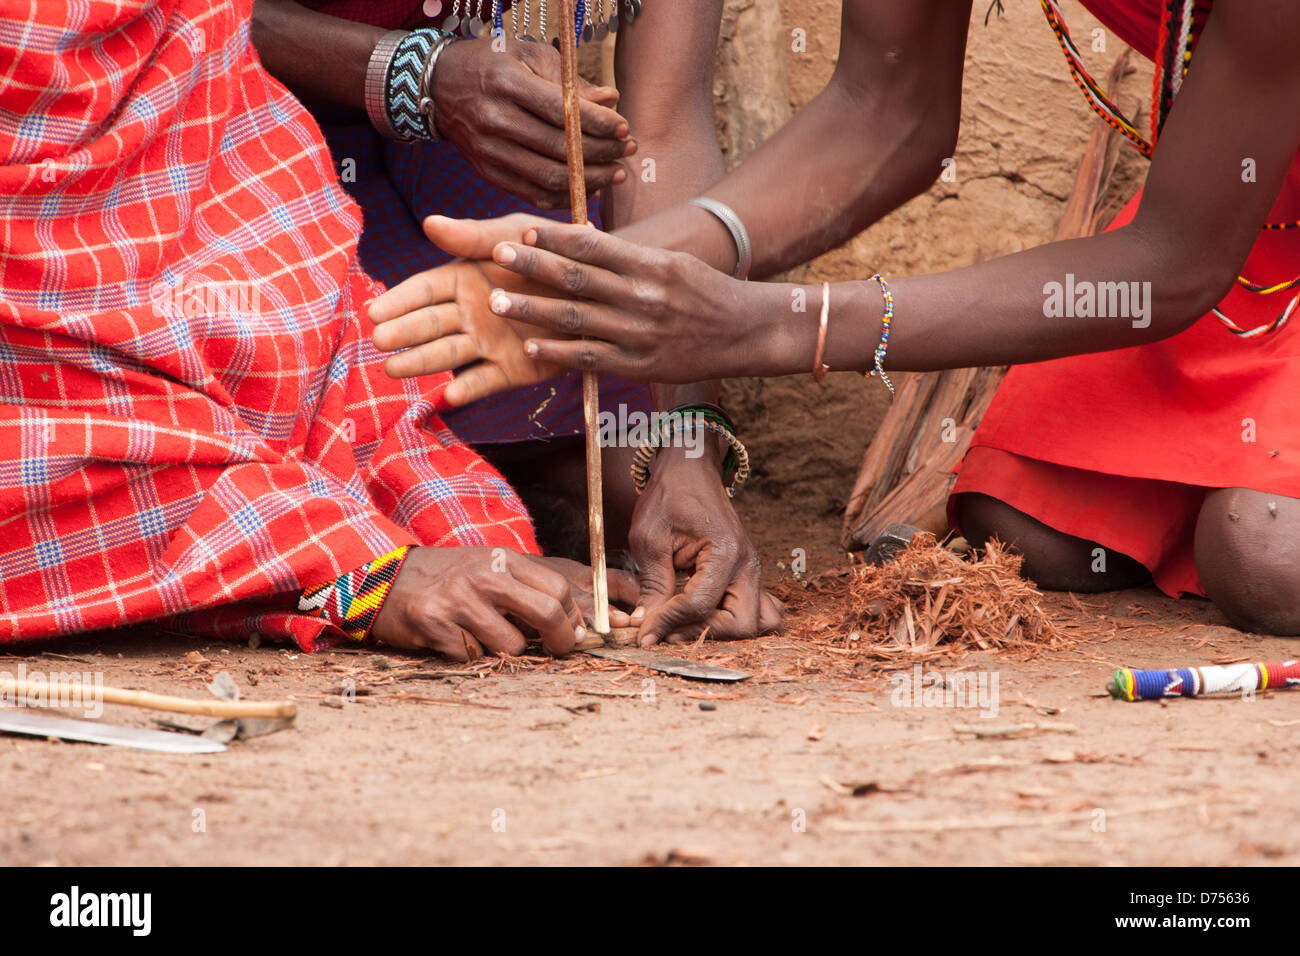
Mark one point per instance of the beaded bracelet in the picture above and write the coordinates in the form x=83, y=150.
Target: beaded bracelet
x=352, y=602
x=714, y=413
x=396, y=87
x=885, y=320
x=646, y=453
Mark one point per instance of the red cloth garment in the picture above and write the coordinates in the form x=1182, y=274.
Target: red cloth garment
x=194, y=425
x=1121, y=447
x=398, y=14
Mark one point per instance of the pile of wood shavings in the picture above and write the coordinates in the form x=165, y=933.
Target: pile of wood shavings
x=928, y=598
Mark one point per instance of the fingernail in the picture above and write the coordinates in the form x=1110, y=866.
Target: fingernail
x=631, y=147
x=500, y=302
x=505, y=254
x=530, y=349
x=621, y=131
x=580, y=632
x=620, y=176
x=638, y=615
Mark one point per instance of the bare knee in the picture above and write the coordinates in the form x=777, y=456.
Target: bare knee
x=1248, y=558
x=1055, y=560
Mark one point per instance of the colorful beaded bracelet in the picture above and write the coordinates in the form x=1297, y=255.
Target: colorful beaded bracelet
x=397, y=82
x=646, y=453
x=883, y=348
x=715, y=413
x=352, y=601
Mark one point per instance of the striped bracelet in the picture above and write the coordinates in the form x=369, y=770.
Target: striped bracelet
x=664, y=437
x=398, y=81
x=352, y=602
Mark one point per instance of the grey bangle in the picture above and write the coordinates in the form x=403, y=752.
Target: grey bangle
x=426, y=86
x=377, y=83
x=739, y=234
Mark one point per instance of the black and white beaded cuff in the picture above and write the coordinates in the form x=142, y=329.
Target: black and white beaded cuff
x=395, y=79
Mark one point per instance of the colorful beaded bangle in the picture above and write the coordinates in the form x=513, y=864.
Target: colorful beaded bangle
x=396, y=87
x=352, y=602
x=885, y=320
x=646, y=453
x=714, y=413
x=708, y=410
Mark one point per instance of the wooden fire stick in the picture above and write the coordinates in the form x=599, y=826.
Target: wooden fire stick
x=590, y=386
x=53, y=691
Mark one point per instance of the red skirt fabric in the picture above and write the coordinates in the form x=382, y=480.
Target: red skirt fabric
x=1120, y=447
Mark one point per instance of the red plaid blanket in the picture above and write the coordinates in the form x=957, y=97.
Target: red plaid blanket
x=193, y=423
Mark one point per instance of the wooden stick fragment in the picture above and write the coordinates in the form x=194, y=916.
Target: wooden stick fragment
x=53, y=692
x=590, y=385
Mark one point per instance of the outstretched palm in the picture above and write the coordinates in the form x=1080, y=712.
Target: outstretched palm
x=441, y=319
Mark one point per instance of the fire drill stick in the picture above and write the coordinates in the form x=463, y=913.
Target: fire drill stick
x=590, y=386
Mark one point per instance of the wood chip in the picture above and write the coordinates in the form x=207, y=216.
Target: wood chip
x=1010, y=731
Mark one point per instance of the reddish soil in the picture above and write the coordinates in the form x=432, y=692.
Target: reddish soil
x=581, y=761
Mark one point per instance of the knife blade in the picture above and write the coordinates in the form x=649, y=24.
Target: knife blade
x=675, y=666
x=95, y=732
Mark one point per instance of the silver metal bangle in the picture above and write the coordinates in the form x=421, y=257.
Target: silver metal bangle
x=377, y=83
x=426, y=85
x=739, y=234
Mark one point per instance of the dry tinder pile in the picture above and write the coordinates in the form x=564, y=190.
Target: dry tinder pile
x=929, y=597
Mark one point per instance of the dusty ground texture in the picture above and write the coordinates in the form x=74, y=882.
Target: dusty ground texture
x=591, y=762
x=580, y=761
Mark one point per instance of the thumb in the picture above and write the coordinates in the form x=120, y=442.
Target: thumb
x=475, y=239
x=603, y=95
x=658, y=580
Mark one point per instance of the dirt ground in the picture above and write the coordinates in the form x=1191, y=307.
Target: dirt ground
x=586, y=761
x=811, y=760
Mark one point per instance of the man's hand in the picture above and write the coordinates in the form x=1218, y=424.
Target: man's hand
x=467, y=602
x=442, y=319
x=651, y=315
x=505, y=112
x=685, y=522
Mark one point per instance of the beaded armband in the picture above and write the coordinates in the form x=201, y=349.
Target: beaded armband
x=396, y=82
x=353, y=601
x=711, y=419
x=886, y=320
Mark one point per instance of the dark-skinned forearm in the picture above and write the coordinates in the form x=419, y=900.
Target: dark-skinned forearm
x=796, y=210
x=666, y=84
x=879, y=132
x=988, y=314
x=317, y=56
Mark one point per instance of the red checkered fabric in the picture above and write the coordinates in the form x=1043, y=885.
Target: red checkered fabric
x=194, y=425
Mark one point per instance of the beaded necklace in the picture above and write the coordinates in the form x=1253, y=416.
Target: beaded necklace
x=1173, y=59
x=591, y=22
